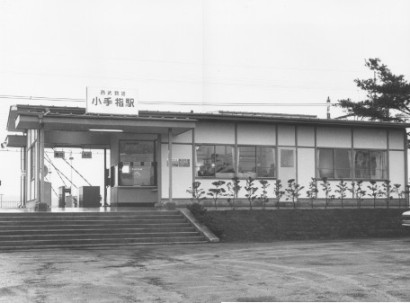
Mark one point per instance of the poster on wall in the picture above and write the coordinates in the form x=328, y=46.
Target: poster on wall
x=184, y=163
x=111, y=101
x=180, y=162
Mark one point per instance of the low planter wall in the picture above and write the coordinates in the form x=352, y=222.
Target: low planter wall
x=292, y=224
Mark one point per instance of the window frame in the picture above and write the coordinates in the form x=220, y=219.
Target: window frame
x=256, y=160
x=235, y=160
x=385, y=169
x=353, y=164
x=154, y=163
x=197, y=167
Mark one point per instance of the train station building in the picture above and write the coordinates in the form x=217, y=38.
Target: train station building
x=156, y=156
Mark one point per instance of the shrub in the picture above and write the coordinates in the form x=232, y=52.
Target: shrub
x=312, y=192
x=293, y=191
x=250, y=191
x=263, y=198
x=197, y=193
x=217, y=191
x=277, y=189
x=233, y=190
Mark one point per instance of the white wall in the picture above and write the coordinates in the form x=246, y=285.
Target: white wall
x=306, y=167
x=181, y=176
x=286, y=135
x=369, y=138
x=286, y=172
x=256, y=134
x=215, y=133
x=397, y=168
x=334, y=137
x=185, y=137
x=396, y=139
x=306, y=136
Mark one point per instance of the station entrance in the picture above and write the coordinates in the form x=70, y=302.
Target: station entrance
x=75, y=177
x=137, y=150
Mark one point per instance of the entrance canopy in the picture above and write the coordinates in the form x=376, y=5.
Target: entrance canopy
x=89, y=130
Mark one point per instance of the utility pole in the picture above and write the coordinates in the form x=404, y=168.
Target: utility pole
x=328, y=108
x=1, y=200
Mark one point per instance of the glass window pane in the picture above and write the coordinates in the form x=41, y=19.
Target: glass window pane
x=378, y=165
x=325, y=163
x=362, y=164
x=265, y=162
x=342, y=164
x=205, y=165
x=286, y=158
x=137, y=166
x=224, y=167
x=247, y=161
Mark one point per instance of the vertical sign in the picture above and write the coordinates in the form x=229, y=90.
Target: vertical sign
x=111, y=101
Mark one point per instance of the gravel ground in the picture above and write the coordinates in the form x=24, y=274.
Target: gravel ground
x=356, y=270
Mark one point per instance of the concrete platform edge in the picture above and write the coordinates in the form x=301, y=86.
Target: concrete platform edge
x=200, y=227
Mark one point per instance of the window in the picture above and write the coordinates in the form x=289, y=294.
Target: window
x=215, y=161
x=334, y=163
x=137, y=166
x=256, y=162
x=338, y=164
x=370, y=164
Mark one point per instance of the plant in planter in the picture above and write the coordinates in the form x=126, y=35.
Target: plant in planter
x=263, y=198
x=293, y=191
x=374, y=191
x=313, y=191
x=233, y=190
x=359, y=192
x=197, y=193
x=277, y=189
x=342, y=188
x=250, y=191
x=327, y=190
x=217, y=191
x=386, y=191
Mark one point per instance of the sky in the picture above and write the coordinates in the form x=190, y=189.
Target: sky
x=201, y=55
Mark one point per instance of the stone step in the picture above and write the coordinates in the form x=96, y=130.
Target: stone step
x=105, y=221
x=82, y=230
x=88, y=241
x=8, y=216
x=93, y=217
x=89, y=246
x=86, y=228
x=95, y=235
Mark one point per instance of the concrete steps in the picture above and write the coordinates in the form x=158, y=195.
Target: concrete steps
x=35, y=230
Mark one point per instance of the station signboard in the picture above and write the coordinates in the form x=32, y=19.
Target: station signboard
x=111, y=101
x=59, y=154
x=86, y=154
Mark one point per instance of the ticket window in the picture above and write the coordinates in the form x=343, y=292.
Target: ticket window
x=137, y=166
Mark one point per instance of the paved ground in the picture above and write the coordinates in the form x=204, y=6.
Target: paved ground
x=357, y=270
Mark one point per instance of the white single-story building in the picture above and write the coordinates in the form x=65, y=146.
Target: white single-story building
x=206, y=147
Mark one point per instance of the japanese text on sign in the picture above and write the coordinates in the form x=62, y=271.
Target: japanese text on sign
x=111, y=101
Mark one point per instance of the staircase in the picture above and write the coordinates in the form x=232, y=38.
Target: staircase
x=38, y=230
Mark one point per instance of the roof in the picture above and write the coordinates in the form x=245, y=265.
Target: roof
x=230, y=116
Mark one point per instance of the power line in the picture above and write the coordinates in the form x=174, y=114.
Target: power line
x=154, y=102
